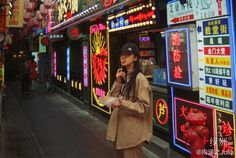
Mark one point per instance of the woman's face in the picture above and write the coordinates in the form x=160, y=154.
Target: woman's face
x=127, y=60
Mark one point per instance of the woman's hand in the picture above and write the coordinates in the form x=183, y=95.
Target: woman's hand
x=119, y=75
x=116, y=103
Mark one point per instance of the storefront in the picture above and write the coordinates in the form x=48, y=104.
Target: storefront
x=201, y=73
x=140, y=24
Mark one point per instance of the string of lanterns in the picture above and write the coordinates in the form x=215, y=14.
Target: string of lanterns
x=34, y=14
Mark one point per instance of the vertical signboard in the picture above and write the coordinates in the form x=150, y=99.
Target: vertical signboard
x=55, y=63
x=178, y=57
x=16, y=20
x=225, y=134
x=214, y=55
x=100, y=68
x=85, y=65
x=187, y=116
x=67, y=64
x=3, y=18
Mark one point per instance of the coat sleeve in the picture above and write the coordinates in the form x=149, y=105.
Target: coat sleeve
x=115, y=89
x=143, y=102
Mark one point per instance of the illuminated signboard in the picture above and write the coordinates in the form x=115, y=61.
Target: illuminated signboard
x=56, y=37
x=161, y=111
x=178, y=67
x=17, y=11
x=214, y=52
x=55, y=63
x=195, y=10
x=66, y=9
x=49, y=21
x=85, y=65
x=100, y=69
x=74, y=33
x=67, y=64
x=42, y=48
x=142, y=15
x=181, y=110
x=225, y=134
x=108, y=3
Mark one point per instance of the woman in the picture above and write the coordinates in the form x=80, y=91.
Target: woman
x=130, y=124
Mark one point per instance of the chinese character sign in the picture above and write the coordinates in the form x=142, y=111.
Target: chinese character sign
x=191, y=121
x=16, y=20
x=178, y=56
x=161, y=111
x=225, y=134
x=195, y=10
x=214, y=53
x=99, y=60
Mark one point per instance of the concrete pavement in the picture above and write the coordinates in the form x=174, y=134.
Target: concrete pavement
x=54, y=126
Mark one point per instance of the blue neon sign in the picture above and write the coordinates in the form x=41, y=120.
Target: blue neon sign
x=68, y=63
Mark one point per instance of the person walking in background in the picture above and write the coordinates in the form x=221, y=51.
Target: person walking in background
x=24, y=76
x=130, y=124
x=33, y=73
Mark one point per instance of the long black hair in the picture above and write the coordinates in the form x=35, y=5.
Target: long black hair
x=131, y=84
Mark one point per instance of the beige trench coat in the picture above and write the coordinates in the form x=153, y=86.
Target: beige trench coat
x=131, y=123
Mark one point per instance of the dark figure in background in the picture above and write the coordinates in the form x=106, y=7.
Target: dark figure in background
x=24, y=76
x=33, y=72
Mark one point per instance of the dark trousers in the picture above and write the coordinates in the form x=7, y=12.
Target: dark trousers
x=25, y=83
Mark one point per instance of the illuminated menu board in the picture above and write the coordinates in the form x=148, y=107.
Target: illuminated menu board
x=182, y=108
x=214, y=53
x=100, y=69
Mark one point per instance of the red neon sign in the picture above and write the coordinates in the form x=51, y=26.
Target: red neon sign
x=162, y=111
x=99, y=63
x=176, y=55
x=141, y=16
x=74, y=32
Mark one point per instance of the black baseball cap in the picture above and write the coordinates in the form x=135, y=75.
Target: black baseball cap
x=129, y=48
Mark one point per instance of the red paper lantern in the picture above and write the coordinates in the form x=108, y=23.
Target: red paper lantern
x=43, y=10
x=39, y=16
x=29, y=6
x=47, y=4
x=26, y=16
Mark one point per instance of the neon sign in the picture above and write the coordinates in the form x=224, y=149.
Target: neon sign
x=108, y=3
x=142, y=15
x=178, y=55
x=99, y=61
x=55, y=63
x=162, y=111
x=85, y=65
x=225, y=136
x=67, y=65
x=74, y=33
x=181, y=109
x=66, y=9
